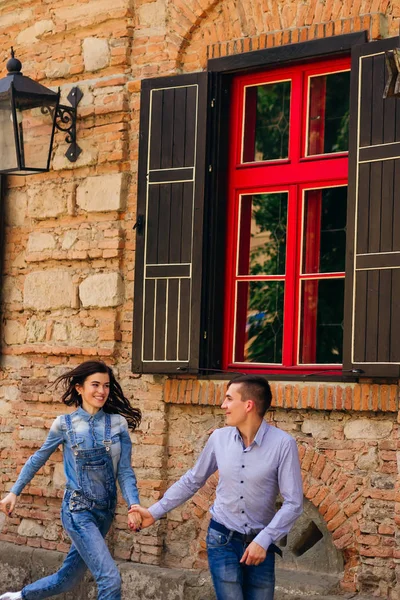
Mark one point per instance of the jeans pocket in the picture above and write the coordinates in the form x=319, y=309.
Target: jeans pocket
x=216, y=539
x=94, y=481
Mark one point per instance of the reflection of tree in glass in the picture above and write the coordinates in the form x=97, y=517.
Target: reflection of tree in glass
x=272, y=121
x=265, y=317
x=265, y=321
x=341, y=144
x=269, y=215
x=333, y=229
x=337, y=112
x=327, y=295
x=329, y=321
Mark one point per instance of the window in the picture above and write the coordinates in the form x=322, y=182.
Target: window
x=287, y=205
x=246, y=258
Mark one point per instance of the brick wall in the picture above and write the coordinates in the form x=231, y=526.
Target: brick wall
x=348, y=457
x=67, y=288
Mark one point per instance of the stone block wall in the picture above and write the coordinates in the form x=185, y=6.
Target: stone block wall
x=67, y=285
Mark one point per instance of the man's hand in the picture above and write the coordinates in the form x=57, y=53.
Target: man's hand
x=134, y=521
x=254, y=554
x=7, y=505
x=143, y=514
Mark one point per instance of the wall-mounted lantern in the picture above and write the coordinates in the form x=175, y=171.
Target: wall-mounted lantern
x=29, y=115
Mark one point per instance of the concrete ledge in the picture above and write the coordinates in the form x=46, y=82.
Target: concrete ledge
x=20, y=565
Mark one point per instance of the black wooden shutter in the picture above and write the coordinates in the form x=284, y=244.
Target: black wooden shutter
x=168, y=265
x=372, y=321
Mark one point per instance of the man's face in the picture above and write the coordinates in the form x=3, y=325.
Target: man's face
x=236, y=409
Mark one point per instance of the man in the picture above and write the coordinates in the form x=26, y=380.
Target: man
x=255, y=461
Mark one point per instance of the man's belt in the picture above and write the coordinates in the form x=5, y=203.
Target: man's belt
x=246, y=538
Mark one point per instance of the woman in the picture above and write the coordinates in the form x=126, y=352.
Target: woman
x=97, y=451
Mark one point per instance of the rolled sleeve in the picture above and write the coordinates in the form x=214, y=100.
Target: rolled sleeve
x=126, y=475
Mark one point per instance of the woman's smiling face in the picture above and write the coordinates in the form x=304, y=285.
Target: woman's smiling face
x=94, y=392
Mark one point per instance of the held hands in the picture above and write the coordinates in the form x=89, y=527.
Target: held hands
x=254, y=554
x=139, y=518
x=7, y=505
x=134, y=520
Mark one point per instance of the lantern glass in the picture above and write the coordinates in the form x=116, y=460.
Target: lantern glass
x=8, y=154
x=33, y=131
x=26, y=131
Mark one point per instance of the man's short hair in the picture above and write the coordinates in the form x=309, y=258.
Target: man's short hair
x=257, y=388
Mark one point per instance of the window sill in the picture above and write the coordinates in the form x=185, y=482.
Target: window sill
x=337, y=376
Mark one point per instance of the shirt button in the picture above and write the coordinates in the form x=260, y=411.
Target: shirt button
x=241, y=482
x=242, y=466
x=245, y=524
x=241, y=497
x=242, y=511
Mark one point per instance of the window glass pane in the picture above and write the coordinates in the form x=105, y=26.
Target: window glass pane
x=259, y=321
x=324, y=230
x=321, y=335
x=262, y=241
x=266, y=122
x=328, y=123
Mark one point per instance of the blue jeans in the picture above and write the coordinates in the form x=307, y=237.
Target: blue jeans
x=87, y=529
x=235, y=581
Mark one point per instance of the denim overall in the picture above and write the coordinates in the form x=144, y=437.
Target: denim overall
x=86, y=515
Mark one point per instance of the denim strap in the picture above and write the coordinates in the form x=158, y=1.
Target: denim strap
x=107, y=432
x=71, y=432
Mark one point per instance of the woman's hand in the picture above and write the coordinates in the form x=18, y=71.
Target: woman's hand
x=8, y=503
x=144, y=514
x=134, y=520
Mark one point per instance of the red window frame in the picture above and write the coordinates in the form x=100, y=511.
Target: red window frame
x=293, y=174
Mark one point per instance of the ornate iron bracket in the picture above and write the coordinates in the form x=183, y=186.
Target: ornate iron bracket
x=66, y=122
x=392, y=60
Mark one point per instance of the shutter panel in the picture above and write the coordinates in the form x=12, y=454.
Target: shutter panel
x=168, y=269
x=372, y=305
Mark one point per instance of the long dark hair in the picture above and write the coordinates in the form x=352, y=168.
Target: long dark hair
x=116, y=401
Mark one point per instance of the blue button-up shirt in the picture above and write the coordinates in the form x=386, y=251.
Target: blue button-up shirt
x=249, y=481
x=89, y=430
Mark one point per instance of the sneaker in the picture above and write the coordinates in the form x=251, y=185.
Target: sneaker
x=11, y=596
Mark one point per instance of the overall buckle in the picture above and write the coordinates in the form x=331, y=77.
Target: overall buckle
x=107, y=444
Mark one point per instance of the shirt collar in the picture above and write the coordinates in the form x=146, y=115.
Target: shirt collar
x=86, y=416
x=262, y=430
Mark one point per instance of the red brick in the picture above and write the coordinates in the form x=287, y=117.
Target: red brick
x=307, y=460
x=353, y=507
x=337, y=520
x=320, y=496
x=368, y=540
x=332, y=511
x=386, y=529
x=376, y=551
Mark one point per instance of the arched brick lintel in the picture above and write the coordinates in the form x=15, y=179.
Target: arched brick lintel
x=338, y=497
x=218, y=30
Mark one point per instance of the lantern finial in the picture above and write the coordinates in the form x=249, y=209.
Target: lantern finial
x=13, y=65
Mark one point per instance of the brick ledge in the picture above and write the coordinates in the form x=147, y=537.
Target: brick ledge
x=297, y=395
